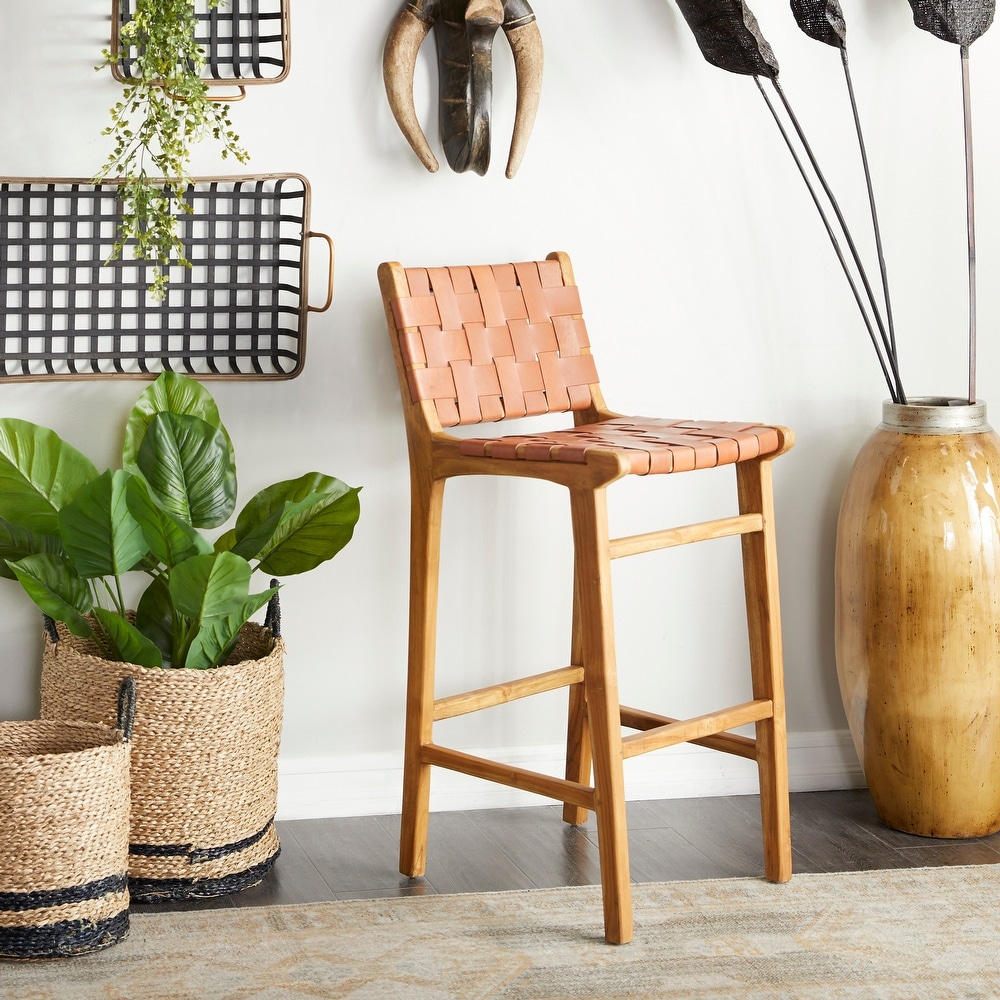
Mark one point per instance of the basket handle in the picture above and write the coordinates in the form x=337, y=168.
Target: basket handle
x=329, y=277
x=272, y=616
x=126, y=707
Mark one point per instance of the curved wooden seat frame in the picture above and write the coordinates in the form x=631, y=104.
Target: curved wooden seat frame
x=478, y=344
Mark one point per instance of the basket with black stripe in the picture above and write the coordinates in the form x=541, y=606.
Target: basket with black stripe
x=64, y=831
x=204, y=759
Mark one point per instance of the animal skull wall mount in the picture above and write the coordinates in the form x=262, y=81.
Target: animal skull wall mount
x=464, y=31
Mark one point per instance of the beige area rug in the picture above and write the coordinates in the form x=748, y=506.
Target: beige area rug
x=924, y=933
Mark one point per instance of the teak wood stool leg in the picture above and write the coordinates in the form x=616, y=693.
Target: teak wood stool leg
x=425, y=558
x=593, y=574
x=579, y=755
x=760, y=577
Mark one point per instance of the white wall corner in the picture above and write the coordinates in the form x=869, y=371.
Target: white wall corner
x=371, y=784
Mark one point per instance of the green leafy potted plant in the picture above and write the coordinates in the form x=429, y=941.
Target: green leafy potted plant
x=69, y=534
x=209, y=681
x=164, y=108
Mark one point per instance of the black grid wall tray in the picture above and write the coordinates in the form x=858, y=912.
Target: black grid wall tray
x=245, y=42
x=239, y=311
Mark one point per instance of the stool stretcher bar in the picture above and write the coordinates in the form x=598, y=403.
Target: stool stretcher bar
x=506, y=774
x=705, y=729
x=501, y=694
x=723, y=527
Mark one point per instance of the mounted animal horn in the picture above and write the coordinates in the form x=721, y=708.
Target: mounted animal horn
x=464, y=32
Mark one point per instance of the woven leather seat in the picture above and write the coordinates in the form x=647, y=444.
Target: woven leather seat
x=475, y=345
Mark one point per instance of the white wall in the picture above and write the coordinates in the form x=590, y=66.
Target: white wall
x=709, y=291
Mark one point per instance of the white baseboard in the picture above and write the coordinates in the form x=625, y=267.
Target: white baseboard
x=371, y=784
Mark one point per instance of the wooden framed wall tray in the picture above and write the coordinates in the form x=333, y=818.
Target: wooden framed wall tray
x=246, y=42
x=239, y=311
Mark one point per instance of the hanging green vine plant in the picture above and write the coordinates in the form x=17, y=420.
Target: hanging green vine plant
x=164, y=110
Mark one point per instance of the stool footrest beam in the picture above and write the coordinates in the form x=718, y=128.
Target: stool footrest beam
x=500, y=694
x=506, y=774
x=651, y=541
x=706, y=730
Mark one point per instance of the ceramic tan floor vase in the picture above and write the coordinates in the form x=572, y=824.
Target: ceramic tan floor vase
x=918, y=617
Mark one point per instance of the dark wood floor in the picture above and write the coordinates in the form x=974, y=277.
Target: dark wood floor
x=669, y=840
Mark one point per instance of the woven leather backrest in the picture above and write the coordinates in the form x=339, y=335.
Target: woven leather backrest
x=490, y=342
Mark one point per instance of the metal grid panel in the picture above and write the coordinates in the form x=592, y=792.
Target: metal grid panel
x=245, y=41
x=238, y=311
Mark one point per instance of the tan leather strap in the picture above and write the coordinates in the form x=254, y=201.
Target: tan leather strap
x=653, y=446
x=490, y=342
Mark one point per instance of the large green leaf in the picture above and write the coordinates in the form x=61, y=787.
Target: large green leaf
x=154, y=617
x=225, y=541
x=189, y=467
x=213, y=592
x=51, y=583
x=250, y=539
x=17, y=542
x=101, y=537
x=172, y=392
x=207, y=586
x=313, y=517
x=170, y=539
x=127, y=641
x=217, y=636
x=39, y=473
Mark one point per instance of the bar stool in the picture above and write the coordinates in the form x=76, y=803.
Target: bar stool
x=479, y=344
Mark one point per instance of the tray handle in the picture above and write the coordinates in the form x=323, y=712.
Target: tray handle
x=212, y=98
x=329, y=278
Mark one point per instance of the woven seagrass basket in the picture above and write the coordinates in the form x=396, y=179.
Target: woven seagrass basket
x=204, y=760
x=64, y=827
